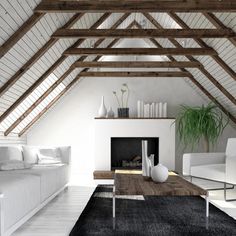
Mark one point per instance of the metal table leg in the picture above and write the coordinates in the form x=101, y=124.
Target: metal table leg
x=207, y=205
x=114, y=203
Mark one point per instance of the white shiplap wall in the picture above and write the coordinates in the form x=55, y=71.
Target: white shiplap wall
x=15, y=13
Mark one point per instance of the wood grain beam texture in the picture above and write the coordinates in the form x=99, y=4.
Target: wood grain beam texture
x=206, y=92
x=49, y=71
x=191, y=58
x=16, y=36
x=60, y=80
x=144, y=33
x=134, y=6
x=136, y=64
x=36, y=57
x=218, y=24
x=139, y=51
x=201, y=43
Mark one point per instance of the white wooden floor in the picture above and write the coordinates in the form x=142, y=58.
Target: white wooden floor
x=59, y=216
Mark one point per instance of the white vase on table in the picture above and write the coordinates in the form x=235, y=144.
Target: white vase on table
x=159, y=173
x=102, y=112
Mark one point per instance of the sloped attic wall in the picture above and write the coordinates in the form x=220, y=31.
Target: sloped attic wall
x=72, y=120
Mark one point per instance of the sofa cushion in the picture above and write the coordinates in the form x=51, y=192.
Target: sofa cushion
x=14, y=165
x=21, y=195
x=11, y=153
x=214, y=172
x=30, y=154
x=43, y=159
x=53, y=177
x=52, y=152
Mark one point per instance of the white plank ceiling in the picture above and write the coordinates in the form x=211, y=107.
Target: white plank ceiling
x=14, y=13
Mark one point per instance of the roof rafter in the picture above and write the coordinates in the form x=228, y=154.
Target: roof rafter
x=49, y=71
x=16, y=36
x=36, y=56
x=201, y=43
x=132, y=6
x=202, y=69
x=60, y=80
x=218, y=24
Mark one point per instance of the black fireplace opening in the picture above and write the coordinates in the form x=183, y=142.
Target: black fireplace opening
x=126, y=153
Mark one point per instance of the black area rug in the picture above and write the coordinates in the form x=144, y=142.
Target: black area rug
x=153, y=216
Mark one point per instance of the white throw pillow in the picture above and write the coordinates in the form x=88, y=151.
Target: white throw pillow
x=30, y=154
x=14, y=165
x=42, y=159
x=10, y=153
x=51, y=152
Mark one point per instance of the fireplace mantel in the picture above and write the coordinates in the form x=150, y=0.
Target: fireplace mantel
x=105, y=129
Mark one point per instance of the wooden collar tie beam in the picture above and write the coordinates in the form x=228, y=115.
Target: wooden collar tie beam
x=134, y=6
x=136, y=74
x=136, y=64
x=144, y=33
x=140, y=51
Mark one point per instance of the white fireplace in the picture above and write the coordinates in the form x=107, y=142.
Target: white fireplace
x=105, y=129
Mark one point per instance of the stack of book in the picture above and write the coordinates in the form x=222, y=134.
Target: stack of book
x=151, y=110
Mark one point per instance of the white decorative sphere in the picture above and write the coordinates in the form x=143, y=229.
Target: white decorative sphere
x=159, y=173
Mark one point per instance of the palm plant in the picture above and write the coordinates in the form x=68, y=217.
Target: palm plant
x=201, y=122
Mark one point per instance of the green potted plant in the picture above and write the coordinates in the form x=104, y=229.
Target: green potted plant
x=200, y=122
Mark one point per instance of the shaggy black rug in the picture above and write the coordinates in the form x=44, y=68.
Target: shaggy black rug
x=157, y=216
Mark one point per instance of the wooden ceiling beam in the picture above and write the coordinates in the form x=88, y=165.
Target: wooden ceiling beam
x=203, y=44
x=136, y=64
x=16, y=36
x=48, y=72
x=218, y=24
x=205, y=91
x=144, y=33
x=60, y=80
x=35, y=57
x=134, y=6
x=139, y=51
x=202, y=69
x=135, y=74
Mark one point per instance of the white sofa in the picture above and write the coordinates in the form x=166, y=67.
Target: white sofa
x=23, y=192
x=219, y=167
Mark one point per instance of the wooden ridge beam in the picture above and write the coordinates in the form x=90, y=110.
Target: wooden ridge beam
x=202, y=69
x=218, y=24
x=139, y=51
x=137, y=64
x=203, y=44
x=135, y=74
x=144, y=33
x=60, y=80
x=48, y=72
x=134, y=6
x=206, y=92
x=16, y=36
x=35, y=57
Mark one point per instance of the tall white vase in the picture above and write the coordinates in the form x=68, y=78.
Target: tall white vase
x=147, y=161
x=102, y=112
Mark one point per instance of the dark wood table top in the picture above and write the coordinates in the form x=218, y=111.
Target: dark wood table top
x=135, y=184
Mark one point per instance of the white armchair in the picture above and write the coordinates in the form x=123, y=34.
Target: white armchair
x=220, y=167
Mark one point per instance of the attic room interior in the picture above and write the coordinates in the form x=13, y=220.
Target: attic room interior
x=117, y=117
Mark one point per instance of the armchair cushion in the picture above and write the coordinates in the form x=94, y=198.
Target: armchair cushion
x=197, y=159
x=214, y=172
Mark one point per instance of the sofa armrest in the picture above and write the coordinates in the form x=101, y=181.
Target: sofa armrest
x=65, y=154
x=197, y=159
x=230, y=169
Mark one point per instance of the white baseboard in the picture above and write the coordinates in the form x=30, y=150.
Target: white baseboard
x=28, y=215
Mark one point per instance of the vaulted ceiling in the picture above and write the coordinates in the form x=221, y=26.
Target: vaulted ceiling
x=39, y=61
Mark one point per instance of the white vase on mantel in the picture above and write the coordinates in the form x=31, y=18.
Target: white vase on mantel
x=110, y=113
x=102, y=112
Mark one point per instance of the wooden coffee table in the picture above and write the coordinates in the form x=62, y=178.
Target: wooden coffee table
x=133, y=183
